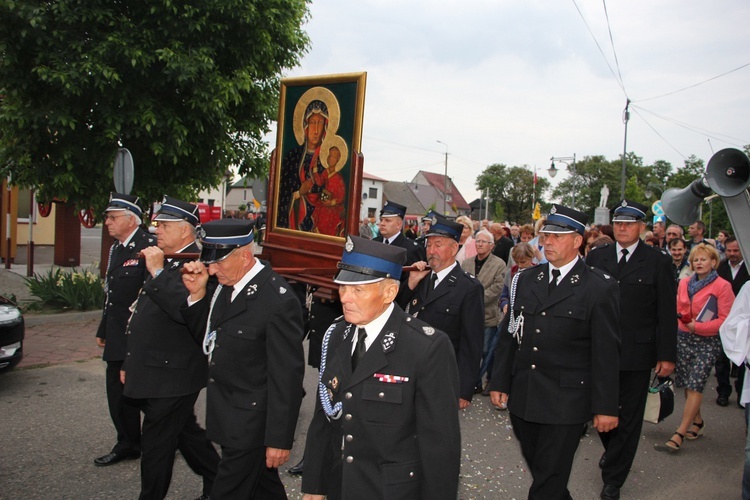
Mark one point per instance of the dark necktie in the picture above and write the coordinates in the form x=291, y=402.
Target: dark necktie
x=361, y=349
x=386, y=242
x=433, y=282
x=623, y=260
x=553, y=283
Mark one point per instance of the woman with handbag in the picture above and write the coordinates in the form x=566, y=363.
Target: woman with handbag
x=703, y=303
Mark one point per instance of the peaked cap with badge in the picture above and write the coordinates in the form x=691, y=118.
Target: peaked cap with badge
x=393, y=209
x=629, y=211
x=220, y=237
x=173, y=209
x=444, y=227
x=367, y=261
x=565, y=220
x=120, y=202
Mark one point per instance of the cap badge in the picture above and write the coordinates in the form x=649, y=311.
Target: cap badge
x=624, y=203
x=428, y=330
x=553, y=210
x=200, y=233
x=349, y=246
x=389, y=339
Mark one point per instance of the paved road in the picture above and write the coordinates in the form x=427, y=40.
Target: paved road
x=55, y=422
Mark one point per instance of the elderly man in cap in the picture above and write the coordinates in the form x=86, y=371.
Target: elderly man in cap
x=557, y=353
x=447, y=297
x=391, y=232
x=385, y=422
x=165, y=367
x=648, y=332
x=251, y=326
x=123, y=280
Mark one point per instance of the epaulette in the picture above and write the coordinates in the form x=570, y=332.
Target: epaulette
x=419, y=326
x=601, y=274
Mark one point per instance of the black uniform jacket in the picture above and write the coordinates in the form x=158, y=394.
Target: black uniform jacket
x=163, y=358
x=398, y=437
x=124, y=280
x=566, y=367
x=257, y=364
x=456, y=306
x=414, y=251
x=648, y=305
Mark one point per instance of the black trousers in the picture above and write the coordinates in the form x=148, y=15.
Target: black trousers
x=243, y=474
x=125, y=416
x=723, y=369
x=621, y=444
x=169, y=425
x=548, y=451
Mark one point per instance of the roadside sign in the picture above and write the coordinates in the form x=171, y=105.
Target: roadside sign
x=123, y=172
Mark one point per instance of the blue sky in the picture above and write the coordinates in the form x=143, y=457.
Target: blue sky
x=518, y=82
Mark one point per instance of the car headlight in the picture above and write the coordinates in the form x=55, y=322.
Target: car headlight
x=9, y=350
x=9, y=315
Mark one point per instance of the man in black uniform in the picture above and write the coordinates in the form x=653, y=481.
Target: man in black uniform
x=254, y=339
x=391, y=232
x=648, y=333
x=451, y=299
x=124, y=279
x=386, y=420
x=557, y=354
x=734, y=270
x=165, y=367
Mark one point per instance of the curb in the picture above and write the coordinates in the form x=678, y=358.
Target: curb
x=67, y=317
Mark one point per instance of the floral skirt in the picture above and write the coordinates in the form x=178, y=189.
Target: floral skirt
x=696, y=356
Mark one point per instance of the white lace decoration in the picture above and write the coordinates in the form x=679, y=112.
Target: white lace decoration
x=209, y=339
x=515, y=325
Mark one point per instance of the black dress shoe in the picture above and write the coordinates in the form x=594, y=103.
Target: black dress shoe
x=603, y=460
x=297, y=469
x=112, y=458
x=722, y=400
x=610, y=492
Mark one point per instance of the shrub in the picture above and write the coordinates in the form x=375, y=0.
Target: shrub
x=78, y=290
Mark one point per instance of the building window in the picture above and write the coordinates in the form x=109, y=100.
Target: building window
x=373, y=193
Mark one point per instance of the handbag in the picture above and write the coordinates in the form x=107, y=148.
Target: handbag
x=659, y=400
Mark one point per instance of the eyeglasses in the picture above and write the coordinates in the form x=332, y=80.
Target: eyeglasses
x=483, y=242
x=113, y=217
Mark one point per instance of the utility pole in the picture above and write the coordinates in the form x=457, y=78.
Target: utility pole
x=625, y=119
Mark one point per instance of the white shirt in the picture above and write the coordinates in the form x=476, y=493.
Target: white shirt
x=630, y=250
x=442, y=274
x=735, y=269
x=250, y=274
x=564, y=270
x=735, y=336
x=373, y=328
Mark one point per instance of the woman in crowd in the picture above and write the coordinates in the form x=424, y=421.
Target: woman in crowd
x=721, y=239
x=703, y=303
x=467, y=247
x=599, y=242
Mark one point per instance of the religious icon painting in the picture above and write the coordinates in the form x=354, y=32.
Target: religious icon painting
x=316, y=172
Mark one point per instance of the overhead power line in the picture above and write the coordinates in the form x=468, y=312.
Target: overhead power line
x=695, y=84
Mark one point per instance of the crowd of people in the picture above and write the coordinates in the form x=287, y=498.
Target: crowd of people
x=562, y=323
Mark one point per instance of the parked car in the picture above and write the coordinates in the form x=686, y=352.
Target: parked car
x=11, y=334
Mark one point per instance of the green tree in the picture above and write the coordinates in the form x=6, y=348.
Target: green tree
x=512, y=189
x=189, y=87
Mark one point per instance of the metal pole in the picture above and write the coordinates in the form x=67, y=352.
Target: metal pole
x=573, y=171
x=626, y=118
x=445, y=181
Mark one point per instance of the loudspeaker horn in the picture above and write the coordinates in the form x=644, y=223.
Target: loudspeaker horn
x=728, y=172
x=682, y=205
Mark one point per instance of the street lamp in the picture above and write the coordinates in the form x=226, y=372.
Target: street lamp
x=445, y=181
x=649, y=191
x=552, y=171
